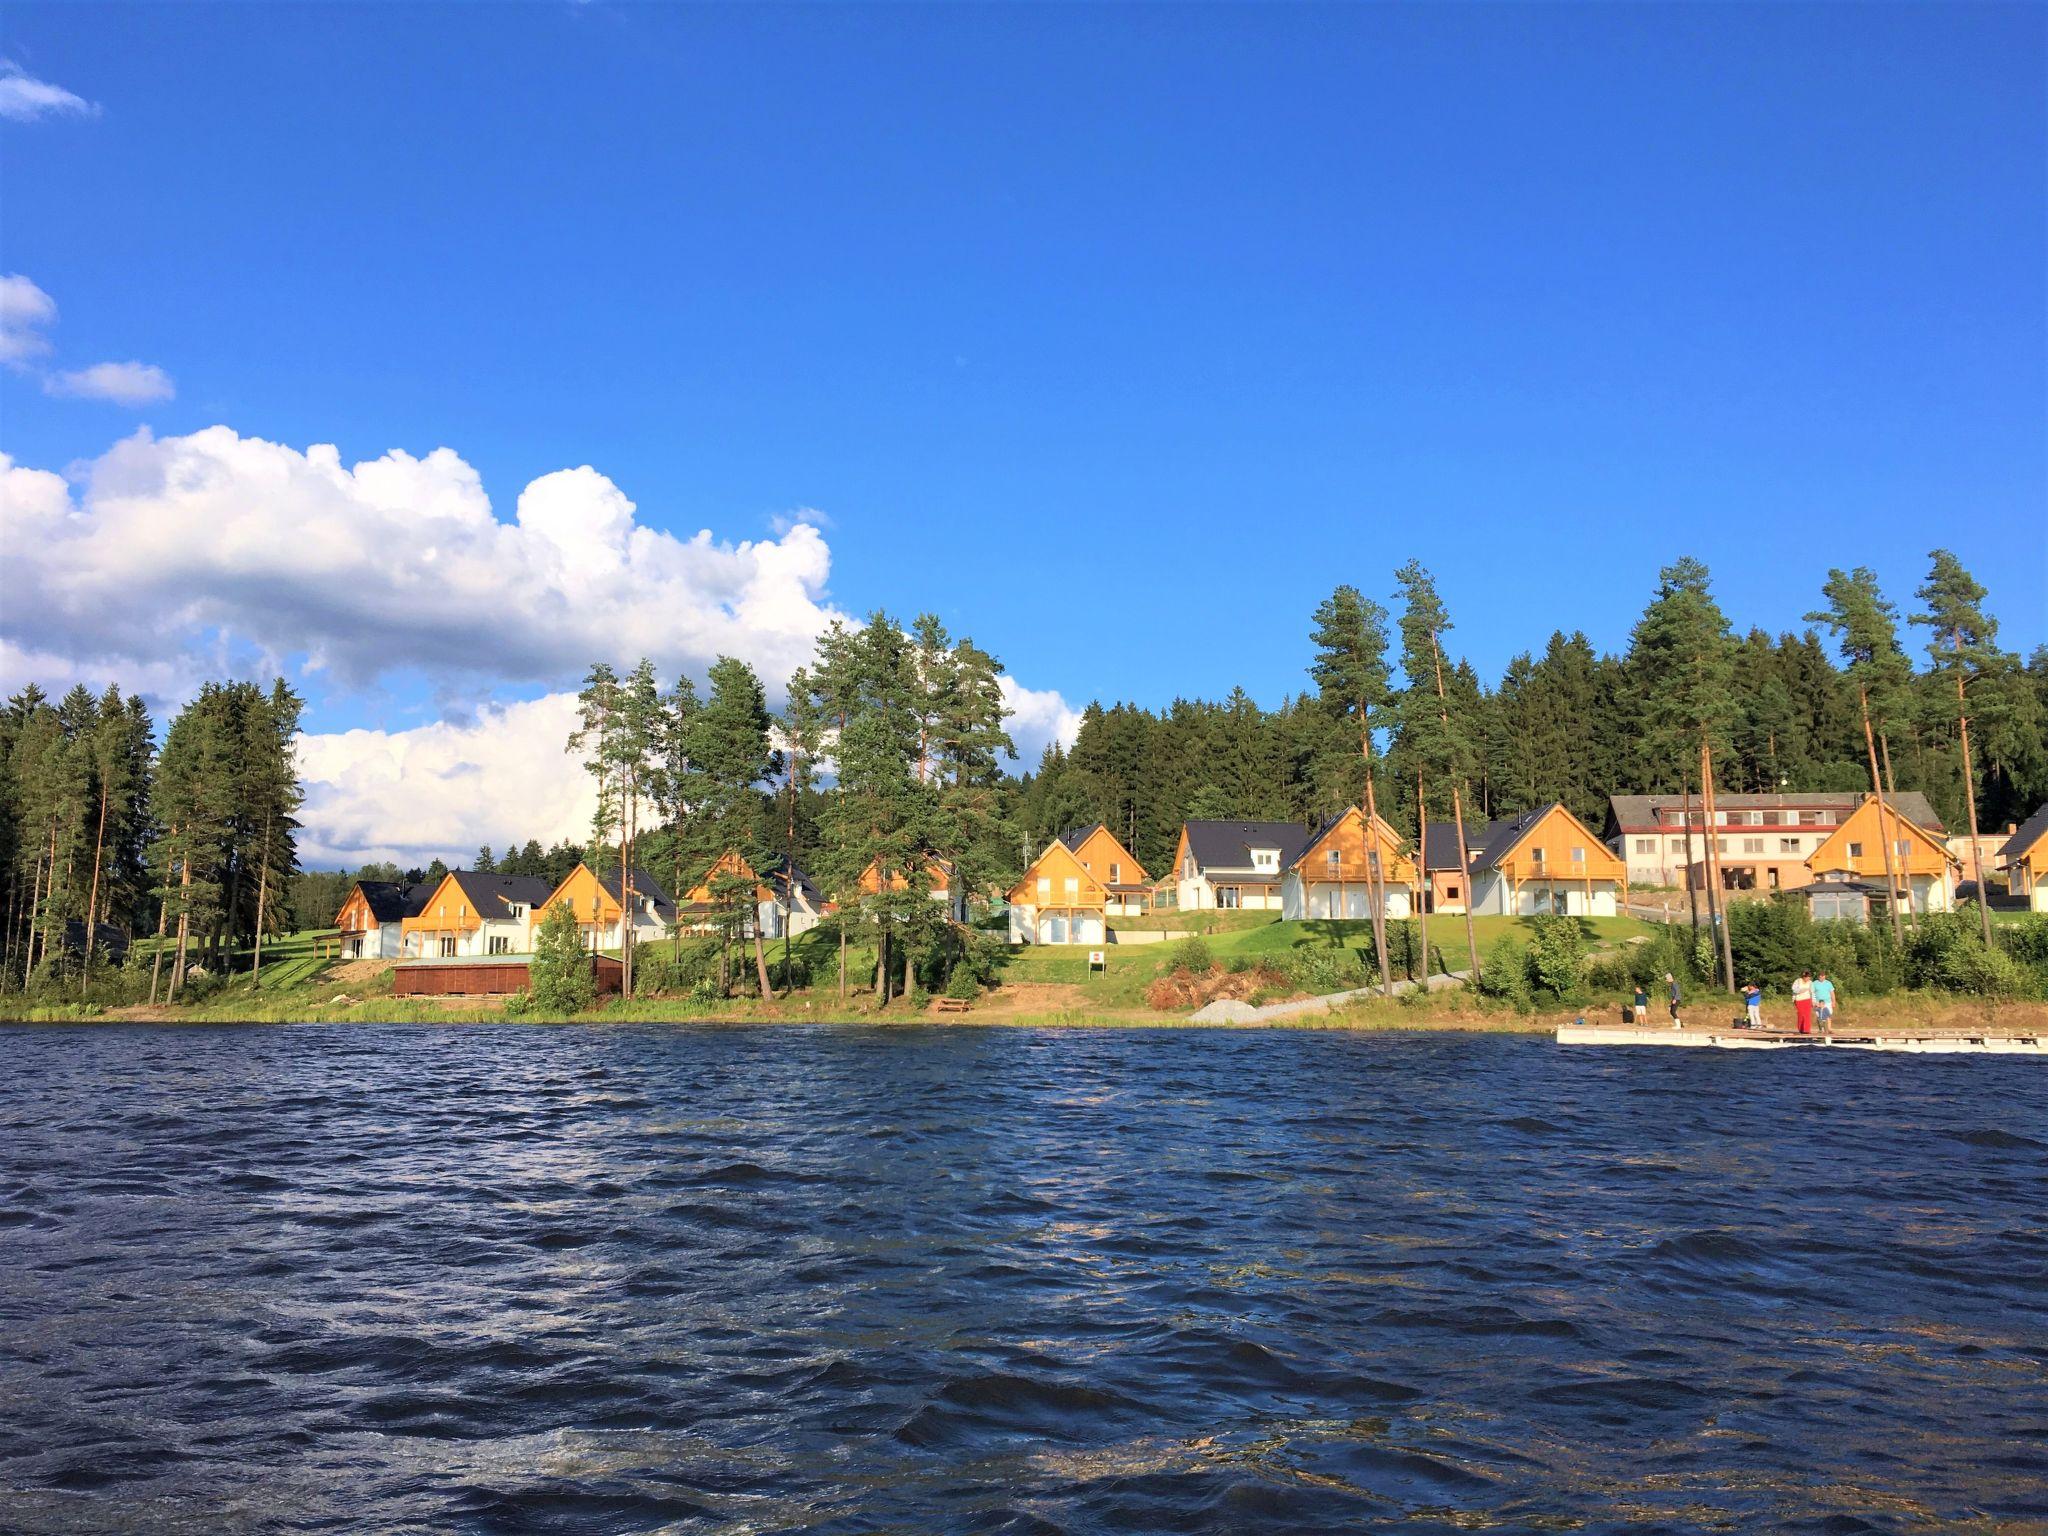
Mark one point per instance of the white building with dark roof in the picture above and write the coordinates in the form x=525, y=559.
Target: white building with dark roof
x=1235, y=865
x=1762, y=841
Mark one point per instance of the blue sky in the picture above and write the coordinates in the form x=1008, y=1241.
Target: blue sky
x=1224, y=303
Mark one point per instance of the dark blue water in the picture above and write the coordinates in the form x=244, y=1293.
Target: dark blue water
x=988, y=1280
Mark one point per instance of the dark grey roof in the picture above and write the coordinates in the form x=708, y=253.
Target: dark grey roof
x=1228, y=844
x=1074, y=837
x=807, y=892
x=1497, y=837
x=392, y=901
x=1638, y=813
x=2027, y=835
x=642, y=883
x=493, y=896
x=1442, y=851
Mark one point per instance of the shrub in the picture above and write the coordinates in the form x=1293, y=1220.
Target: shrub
x=1239, y=964
x=963, y=985
x=1557, y=958
x=561, y=979
x=1505, y=975
x=1321, y=970
x=1192, y=955
x=1947, y=951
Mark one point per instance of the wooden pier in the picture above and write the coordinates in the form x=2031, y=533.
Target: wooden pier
x=1925, y=1040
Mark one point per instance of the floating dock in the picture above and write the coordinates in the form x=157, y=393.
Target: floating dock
x=1925, y=1041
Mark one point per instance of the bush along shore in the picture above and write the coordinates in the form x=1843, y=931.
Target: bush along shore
x=1534, y=971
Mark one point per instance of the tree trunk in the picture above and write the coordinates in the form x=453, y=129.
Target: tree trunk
x=1465, y=863
x=262, y=901
x=184, y=926
x=1692, y=887
x=1422, y=853
x=1717, y=909
x=842, y=960
x=92, y=901
x=1883, y=823
x=35, y=901
x=1376, y=883
x=1443, y=712
x=881, y=964
x=625, y=909
x=1970, y=804
x=760, y=959
x=909, y=969
x=163, y=913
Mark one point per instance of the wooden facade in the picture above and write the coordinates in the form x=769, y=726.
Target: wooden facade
x=1058, y=901
x=1922, y=868
x=485, y=978
x=1332, y=877
x=1556, y=863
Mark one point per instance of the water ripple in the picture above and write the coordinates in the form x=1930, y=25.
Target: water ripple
x=851, y=1280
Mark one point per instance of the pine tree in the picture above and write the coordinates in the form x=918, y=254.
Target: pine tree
x=1963, y=647
x=730, y=750
x=1352, y=683
x=1444, y=746
x=1684, y=661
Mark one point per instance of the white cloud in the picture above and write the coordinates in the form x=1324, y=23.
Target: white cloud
x=394, y=564
x=23, y=98
x=181, y=558
x=25, y=312
x=1041, y=716
x=122, y=383
x=443, y=790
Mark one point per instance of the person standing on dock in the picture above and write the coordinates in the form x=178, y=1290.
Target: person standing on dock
x=1671, y=981
x=1824, y=1001
x=1802, y=1001
x=1641, y=1015
x=1753, y=1004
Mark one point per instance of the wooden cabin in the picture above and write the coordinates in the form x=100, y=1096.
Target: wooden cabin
x=1111, y=863
x=938, y=880
x=595, y=905
x=371, y=919
x=1923, y=872
x=2025, y=860
x=470, y=913
x=1333, y=874
x=1545, y=861
x=1059, y=901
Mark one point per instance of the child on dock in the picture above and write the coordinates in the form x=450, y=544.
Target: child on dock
x=1641, y=1013
x=1824, y=1001
x=1753, y=1004
x=1802, y=1001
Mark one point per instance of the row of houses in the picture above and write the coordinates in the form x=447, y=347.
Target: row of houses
x=1543, y=861
x=1546, y=860
x=469, y=914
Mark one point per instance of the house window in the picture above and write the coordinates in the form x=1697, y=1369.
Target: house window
x=1578, y=855
x=1720, y=845
x=1855, y=850
x=1336, y=861
x=1226, y=896
x=447, y=949
x=1646, y=845
x=1752, y=845
x=1788, y=845
x=1265, y=858
x=1450, y=890
x=1903, y=847
x=500, y=944
x=1372, y=860
x=1536, y=857
x=1073, y=886
x=1116, y=874
x=1044, y=888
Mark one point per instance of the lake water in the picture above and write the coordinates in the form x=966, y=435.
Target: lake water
x=612, y=1279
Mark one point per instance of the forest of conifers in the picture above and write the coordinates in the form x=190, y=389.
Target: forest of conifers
x=891, y=748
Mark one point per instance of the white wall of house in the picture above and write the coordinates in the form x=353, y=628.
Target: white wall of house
x=1028, y=925
x=382, y=942
x=1492, y=895
x=773, y=917
x=1204, y=892
x=1306, y=900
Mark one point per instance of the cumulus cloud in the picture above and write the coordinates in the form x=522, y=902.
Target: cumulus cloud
x=24, y=98
x=122, y=383
x=25, y=313
x=444, y=790
x=169, y=560
x=394, y=564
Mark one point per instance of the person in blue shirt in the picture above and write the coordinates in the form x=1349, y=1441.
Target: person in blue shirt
x=1753, y=1001
x=1823, y=1000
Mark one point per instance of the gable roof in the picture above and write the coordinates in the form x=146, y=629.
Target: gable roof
x=1834, y=847
x=493, y=896
x=1076, y=838
x=1229, y=844
x=1442, y=852
x=803, y=888
x=638, y=881
x=392, y=901
x=1638, y=813
x=2026, y=837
